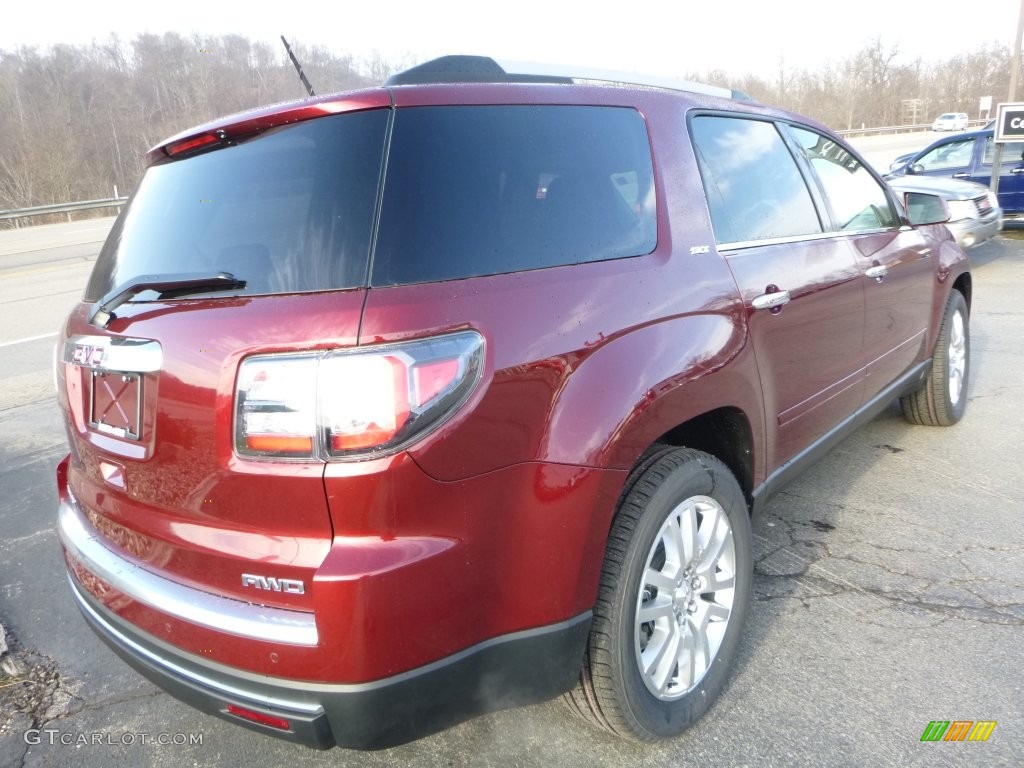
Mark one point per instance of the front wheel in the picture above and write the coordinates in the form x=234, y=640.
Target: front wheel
x=943, y=398
x=673, y=597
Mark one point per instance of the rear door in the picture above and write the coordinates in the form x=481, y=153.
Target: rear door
x=802, y=286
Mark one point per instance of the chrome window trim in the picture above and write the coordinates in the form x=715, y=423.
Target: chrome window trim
x=223, y=614
x=800, y=238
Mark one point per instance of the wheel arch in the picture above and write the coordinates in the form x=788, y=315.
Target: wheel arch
x=724, y=433
x=964, y=284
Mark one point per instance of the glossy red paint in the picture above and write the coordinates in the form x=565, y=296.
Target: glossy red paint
x=408, y=549
x=191, y=507
x=496, y=521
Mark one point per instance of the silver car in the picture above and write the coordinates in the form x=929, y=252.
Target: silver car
x=974, y=213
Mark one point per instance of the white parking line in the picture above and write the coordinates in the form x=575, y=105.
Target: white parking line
x=29, y=338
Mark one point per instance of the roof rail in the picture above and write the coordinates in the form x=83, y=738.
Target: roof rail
x=484, y=69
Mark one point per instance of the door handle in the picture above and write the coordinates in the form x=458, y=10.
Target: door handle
x=1017, y=170
x=771, y=300
x=961, y=176
x=877, y=273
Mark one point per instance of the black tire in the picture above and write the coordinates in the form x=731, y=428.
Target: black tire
x=943, y=398
x=660, y=701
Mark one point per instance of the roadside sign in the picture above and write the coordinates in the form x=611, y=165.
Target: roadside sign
x=1010, y=122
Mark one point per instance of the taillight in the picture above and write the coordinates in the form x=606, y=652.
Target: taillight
x=354, y=403
x=191, y=144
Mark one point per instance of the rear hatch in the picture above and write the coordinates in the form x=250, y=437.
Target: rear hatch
x=251, y=239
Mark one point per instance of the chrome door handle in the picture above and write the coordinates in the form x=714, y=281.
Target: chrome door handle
x=877, y=273
x=771, y=300
x=960, y=176
x=1017, y=170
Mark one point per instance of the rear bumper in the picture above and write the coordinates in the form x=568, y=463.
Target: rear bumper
x=507, y=671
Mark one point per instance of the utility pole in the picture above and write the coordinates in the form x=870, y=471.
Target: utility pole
x=997, y=155
x=1015, y=65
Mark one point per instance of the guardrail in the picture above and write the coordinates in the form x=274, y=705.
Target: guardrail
x=67, y=208
x=971, y=126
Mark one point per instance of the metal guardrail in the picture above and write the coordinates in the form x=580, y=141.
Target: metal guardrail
x=67, y=208
x=971, y=125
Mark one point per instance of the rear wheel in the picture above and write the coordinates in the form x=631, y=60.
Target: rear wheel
x=943, y=398
x=673, y=597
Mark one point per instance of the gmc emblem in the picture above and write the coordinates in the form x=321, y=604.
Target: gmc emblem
x=88, y=356
x=290, y=586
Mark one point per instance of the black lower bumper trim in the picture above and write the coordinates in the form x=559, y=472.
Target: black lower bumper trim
x=508, y=671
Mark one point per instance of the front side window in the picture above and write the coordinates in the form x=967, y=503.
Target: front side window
x=485, y=190
x=955, y=154
x=754, y=189
x=856, y=199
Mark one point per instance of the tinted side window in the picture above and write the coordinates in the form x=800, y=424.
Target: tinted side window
x=288, y=210
x=755, y=190
x=483, y=190
x=856, y=198
x=1013, y=151
x=955, y=154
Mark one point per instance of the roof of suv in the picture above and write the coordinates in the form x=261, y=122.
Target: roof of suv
x=458, y=71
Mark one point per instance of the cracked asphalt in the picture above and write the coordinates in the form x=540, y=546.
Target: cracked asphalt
x=889, y=592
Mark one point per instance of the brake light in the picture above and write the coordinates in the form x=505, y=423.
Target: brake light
x=278, y=413
x=355, y=403
x=187, y=145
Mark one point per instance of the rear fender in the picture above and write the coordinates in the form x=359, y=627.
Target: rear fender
x=647, y=382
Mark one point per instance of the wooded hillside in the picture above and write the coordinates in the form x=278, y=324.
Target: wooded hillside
x=75, y=121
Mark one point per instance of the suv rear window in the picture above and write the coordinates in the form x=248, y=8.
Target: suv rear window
x=289, y=210
x=483, y=190
x=469, y=191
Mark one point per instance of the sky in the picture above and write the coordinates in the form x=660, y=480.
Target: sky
x=658, y=37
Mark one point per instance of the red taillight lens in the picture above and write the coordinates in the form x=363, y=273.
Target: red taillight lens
x=276, y=411
x=365, y=399
x=353, y=404
x=281, y=723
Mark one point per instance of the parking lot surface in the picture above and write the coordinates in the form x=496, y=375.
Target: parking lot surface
x=889, y=591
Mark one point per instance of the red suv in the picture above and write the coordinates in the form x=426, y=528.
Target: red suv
x=392, y=407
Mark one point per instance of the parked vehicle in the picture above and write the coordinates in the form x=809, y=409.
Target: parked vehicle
x=395, y=406
x=974, y=213
x=950, y=121
x=969, y=156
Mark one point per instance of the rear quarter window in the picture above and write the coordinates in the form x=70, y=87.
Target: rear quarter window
x=484, y=190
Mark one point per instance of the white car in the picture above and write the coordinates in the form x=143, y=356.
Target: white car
x=974, y=212
x=950, y=121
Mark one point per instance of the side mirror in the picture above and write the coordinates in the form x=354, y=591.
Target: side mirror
x=915, y=168
x=925, y=209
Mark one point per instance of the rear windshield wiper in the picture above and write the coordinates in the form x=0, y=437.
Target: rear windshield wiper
x=168, y=286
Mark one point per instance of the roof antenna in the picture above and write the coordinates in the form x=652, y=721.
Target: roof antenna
x=298, y=67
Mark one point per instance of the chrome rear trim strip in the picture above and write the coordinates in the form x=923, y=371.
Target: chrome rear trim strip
x=235, y=617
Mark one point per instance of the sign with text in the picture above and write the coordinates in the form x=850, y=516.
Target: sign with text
x=1010, y=122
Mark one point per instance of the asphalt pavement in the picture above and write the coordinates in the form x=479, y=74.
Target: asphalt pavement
x=889, y=593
